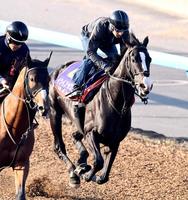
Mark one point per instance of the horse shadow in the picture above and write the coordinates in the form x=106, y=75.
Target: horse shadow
x=170, y=101
x=157, y=136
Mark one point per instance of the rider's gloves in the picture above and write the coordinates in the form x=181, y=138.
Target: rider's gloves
x=108, y=69
x=3, y=82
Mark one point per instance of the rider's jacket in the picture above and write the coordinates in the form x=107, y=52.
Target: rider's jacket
x=101, y=37
x=11, y=61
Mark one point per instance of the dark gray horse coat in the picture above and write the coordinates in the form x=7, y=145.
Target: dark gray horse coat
x=107, y=116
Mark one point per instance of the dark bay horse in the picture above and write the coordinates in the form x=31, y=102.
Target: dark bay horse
x=107, y=116
x=29, y=95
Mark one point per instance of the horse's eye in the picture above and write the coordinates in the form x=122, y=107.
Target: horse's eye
x=32, y=79
x=133, y=60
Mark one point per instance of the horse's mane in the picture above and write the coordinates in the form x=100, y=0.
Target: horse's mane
x=134, y=40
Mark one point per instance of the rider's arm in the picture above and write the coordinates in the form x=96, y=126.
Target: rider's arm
x=93, y=45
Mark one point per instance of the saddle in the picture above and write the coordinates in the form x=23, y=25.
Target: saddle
x=65, y=85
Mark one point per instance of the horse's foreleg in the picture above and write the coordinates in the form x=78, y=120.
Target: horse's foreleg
x=109, y=157
x=56, y=122
x=81, y=163
x=21, y=173
x=98, y=161
x=59, y=146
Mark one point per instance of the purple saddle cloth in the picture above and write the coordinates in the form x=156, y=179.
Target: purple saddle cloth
x=64, y=82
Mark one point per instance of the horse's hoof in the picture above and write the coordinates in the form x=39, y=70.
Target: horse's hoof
x=94, y=178
x=99, y=180
x=87, y=177
x=82, y=169
x=74, y=180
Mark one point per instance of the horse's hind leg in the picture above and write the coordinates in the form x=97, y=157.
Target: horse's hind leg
x=21, y=173
x=59, y=146
x=81, y=163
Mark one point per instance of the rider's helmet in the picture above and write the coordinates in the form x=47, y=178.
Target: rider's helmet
x=17, y=32
x=119, y=20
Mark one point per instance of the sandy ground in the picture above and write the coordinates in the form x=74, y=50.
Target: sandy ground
x=148, y=167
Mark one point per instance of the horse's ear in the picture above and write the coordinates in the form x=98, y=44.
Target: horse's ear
x=145, y=41
x=48, y=59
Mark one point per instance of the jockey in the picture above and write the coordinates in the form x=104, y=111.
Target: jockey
x=103, y=33
x=13, y=52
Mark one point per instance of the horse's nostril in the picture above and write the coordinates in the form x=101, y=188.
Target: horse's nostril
x=142, y=85
x=40, y=108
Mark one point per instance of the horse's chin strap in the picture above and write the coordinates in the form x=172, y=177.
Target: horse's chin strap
x=143, y=99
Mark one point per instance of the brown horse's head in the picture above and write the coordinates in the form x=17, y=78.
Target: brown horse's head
x=36, y=85
x=139, y=65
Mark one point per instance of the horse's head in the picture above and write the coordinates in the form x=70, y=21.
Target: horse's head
x=37, y=84
x=138, y=63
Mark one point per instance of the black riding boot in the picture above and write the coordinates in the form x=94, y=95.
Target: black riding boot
x=79, y=111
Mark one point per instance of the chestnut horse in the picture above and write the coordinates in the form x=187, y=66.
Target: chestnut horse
x=108, y=114
x=29, y=95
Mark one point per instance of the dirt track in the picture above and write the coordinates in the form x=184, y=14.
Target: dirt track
x=148, y=166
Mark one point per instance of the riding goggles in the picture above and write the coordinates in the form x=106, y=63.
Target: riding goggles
x=120, y=29
x=12, y=41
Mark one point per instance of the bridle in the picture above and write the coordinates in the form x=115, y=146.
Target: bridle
x=131, y=79
x=31, y=93
x=128, y=79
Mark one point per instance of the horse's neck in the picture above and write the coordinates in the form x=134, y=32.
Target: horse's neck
x=120, y=72
x=119, y=90
x=122, y=68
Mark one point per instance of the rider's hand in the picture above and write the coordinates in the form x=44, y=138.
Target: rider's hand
x=107, y=69
x=4, y=83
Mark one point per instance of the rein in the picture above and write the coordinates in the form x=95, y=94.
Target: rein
x=122, y=80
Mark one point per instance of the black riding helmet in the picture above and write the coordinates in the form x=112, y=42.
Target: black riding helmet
x=120, y=20
x=17, y=31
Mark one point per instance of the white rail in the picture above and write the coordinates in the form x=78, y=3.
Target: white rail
x=72, y=41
